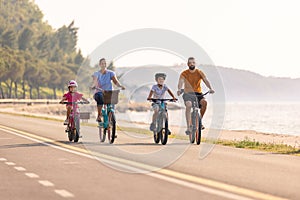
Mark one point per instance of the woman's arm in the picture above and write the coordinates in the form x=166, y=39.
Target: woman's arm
x=117, y=83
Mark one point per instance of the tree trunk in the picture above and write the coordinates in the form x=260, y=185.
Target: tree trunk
x=38, y=92
x=24, y=91
x=1, y=91
x=16, y=89
x=54, y=93
x=10, y=90
x=30, y=91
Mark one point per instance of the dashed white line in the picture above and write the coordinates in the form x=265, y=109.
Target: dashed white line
x=64, y=193
x=46, y=183
x=21, y=169
x=10, y=163
x=32, y=175
x=3, y=159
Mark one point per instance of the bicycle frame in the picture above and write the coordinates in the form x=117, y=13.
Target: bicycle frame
x=161, y=131
x=73, y=127
x=105, y=110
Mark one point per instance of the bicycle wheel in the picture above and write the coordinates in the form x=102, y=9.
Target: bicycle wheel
x=164, y=131
x=192, y=134
x=111, y=129
x=198, y=125
x=70, y=134
x=70, y=130
x=102, y=132
x=156, y=134
x=76, y=130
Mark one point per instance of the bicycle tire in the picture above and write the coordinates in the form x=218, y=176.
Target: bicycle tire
x=76, y=130
x=102, y=133
x=192, y=134
x=111, y=130
x=198, y=128
x=70, y=135
x=70, y=130
x=164, y=132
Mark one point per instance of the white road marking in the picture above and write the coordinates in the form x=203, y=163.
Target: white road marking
x=10, y=163
x=32, y=175
x=46, y=183
x=3, y=159
x=21, y=169
x=64, y=193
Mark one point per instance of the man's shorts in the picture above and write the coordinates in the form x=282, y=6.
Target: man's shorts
x=191, y=96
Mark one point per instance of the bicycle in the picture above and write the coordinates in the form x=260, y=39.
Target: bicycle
x=196, y=120
x=73, y=126
x=161, y=130
x=108, y=124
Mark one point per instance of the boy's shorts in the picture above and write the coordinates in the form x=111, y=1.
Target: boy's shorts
x=155, y=106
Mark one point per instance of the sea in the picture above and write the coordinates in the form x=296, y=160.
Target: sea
x=264, y=117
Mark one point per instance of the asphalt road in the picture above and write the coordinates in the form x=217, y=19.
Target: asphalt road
x=37, y=162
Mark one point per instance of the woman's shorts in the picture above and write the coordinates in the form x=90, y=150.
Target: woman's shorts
x=99, y=98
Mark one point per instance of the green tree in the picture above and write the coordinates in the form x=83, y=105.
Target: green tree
x=25, y=39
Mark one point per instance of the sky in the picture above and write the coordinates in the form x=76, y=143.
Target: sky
x=262, y=36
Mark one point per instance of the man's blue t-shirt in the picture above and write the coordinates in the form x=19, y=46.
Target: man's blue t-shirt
x=104, y=80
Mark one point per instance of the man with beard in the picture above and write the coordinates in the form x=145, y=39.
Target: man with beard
x=191, y=80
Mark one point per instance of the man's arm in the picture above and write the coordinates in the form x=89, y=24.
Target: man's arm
x=207, y=83
x=117, y=83
x=180, y=85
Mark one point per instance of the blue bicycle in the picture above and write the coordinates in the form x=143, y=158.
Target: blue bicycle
x=161, y=130
x=107, y=126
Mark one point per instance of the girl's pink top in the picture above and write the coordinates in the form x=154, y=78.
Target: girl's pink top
x=73, y=97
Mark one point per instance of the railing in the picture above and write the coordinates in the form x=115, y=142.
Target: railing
x=29, y=101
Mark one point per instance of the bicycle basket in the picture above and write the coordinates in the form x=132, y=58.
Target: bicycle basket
x=111, y=97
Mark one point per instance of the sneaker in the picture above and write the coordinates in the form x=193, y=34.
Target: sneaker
x=66, y=122
x=187, y=132
x=169, y=132
x=99, y=119
x=152, y=127
x=202, y=127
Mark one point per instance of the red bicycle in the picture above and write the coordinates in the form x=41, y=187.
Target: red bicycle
x=73, y=127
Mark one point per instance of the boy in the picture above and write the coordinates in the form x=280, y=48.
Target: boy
x=71, y=96
x=158, y=91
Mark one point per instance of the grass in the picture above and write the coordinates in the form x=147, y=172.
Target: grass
x=252, y=144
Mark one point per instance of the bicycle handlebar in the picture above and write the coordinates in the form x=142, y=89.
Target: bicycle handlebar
x=97, y=88
x=182, y=91
x=155, y=100
x=77, y=102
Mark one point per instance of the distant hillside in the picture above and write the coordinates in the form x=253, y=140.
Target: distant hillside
x=239, y=85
